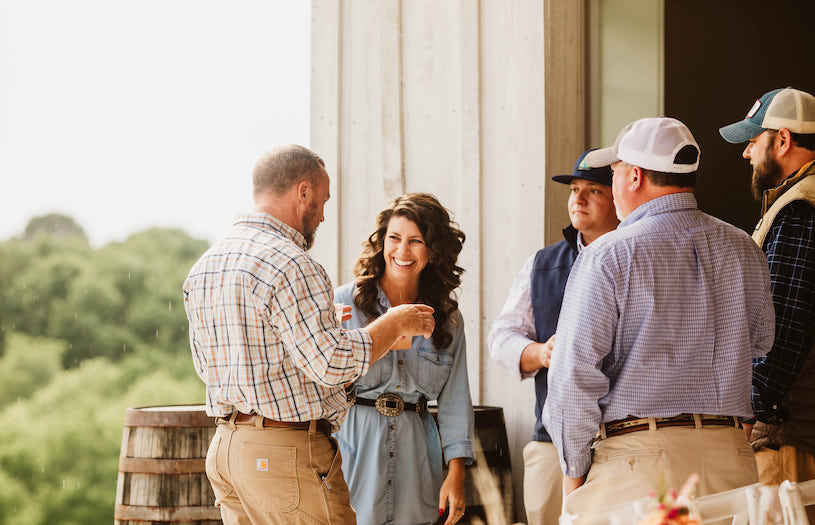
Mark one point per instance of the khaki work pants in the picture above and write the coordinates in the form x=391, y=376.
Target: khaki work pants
x=543, y=483
x=630, y=466
x=277, y=476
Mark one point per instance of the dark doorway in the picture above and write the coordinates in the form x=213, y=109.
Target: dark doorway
x=719, y=58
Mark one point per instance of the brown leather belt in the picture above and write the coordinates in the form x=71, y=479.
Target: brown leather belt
x=251, y=419
x=391, y=405
x=634, y=424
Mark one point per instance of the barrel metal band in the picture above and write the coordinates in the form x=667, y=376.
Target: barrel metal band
x=162, y=466
x=168, y=514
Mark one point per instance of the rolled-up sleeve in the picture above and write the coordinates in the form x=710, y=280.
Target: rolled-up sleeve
x=304, y=316
x=456, y=418
x=514, y=328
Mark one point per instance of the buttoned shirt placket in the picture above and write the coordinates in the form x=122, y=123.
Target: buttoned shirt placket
x=399, y=357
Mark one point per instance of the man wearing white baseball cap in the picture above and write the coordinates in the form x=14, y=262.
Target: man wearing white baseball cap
x=651, y=370
x=780, y=133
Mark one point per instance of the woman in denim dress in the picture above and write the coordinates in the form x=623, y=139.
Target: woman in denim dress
x=393, y=463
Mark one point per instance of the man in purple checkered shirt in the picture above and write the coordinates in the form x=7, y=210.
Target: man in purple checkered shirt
x=651, y=370
x=780, y=133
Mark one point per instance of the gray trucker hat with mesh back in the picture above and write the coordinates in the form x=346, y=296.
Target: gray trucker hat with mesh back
x=780, y=108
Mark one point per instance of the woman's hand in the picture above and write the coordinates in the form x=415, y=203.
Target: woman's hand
x=452, y=491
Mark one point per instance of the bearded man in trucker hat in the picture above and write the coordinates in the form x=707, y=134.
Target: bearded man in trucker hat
x=780, y=133
x=650, y=375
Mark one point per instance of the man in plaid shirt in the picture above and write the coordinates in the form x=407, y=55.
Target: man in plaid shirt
x=267, y=343
x=780, y=133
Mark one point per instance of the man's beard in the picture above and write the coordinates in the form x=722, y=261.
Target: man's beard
x=309, y=237
x=310, y=218
x=766, y=175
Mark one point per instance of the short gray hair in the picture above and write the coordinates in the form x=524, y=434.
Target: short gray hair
x=279, y=169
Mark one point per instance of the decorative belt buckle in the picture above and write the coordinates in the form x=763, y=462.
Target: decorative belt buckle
x=389, y=404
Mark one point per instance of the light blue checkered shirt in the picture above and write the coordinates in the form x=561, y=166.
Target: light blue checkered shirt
x=660, y=317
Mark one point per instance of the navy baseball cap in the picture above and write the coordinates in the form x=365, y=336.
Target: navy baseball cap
x=583, y=171
x=780, y=108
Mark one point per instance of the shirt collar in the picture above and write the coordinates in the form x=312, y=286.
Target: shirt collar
x=266, y=221
x=383, y=299
x=665, y=204
x=580, y=244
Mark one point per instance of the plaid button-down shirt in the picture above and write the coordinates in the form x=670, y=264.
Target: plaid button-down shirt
x=263, y=331
x=790, y=249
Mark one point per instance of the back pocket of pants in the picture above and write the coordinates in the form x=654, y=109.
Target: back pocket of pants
x=268, y=477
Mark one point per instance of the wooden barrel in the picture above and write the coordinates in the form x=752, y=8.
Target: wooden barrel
x=491, y=447
x=162, y=467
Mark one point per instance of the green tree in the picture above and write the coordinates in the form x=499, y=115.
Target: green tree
x=54, y=225
x=44, y=281
x=90, y=317
x=160, y=260
x=29, y=363
x=88, y=332
x=102, y=302
x=64, y=461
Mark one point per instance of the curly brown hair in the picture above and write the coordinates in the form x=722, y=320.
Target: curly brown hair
x=441, y=276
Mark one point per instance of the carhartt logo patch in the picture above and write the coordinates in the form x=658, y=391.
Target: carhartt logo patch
x=754, y=109
x=263, y=464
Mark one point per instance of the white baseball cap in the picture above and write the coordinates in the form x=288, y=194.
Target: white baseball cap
x=653, y=144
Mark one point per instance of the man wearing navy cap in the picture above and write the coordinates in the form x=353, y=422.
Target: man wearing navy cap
x=651, y=370
x=522, y=336
x=780, y=133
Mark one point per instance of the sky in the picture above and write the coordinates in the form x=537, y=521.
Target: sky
x=127, y=115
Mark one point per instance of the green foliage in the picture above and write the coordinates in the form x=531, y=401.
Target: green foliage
x=54, y=225
x=62, y=463
x=14, y=257
x=101, y=302
x=84, y=334
x=29, y=363
x=32, y=275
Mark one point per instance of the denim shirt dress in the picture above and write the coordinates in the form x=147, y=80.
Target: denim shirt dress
x=393, y=465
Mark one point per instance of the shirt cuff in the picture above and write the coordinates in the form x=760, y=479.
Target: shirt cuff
x=513, y=347
x=773, y=417
x=577, y=467
x=462, y=449
x=361, y=346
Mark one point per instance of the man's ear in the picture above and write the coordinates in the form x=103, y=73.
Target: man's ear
x=783, y=141
x=636, y=178
x=304, y=190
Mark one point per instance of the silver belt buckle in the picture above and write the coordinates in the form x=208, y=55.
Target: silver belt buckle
x=389, y=404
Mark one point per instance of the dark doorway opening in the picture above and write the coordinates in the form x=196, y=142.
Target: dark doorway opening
x=719, y=58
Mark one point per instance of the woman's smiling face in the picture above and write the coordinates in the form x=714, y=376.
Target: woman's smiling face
x=404, y=249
